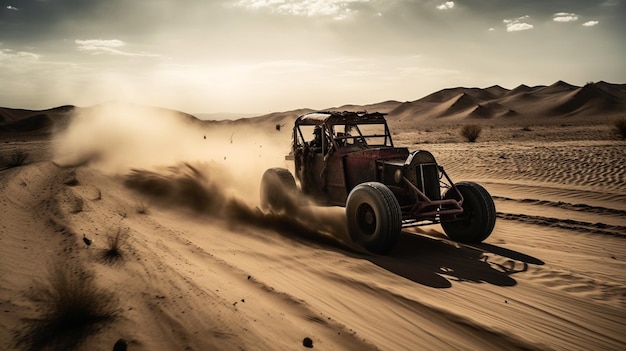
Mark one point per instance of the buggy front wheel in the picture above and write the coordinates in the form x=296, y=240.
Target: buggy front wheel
x=476, y=222
x=374, y=217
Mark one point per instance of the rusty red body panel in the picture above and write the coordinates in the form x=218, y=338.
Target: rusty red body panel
x=345, y=158
x=362, y=166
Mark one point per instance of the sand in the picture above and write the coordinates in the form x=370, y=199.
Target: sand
x=202, y=268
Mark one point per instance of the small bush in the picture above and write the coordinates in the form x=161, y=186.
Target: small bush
x=141, y=207
x=75, y=204
x=18, y=158
x=70, y=178
x=619, y=126
x=471, y=132
x=114, y=251
x=72, y=306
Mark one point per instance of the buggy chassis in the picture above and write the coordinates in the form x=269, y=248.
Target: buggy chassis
x=353, y=163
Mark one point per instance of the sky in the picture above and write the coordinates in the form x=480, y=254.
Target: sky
x=262, y=56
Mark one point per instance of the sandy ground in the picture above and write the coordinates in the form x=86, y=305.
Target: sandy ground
x=204, y=269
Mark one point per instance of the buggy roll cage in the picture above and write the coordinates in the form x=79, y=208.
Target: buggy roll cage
x=326, y=120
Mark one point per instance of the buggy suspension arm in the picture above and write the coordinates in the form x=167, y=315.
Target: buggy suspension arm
x=425, y=208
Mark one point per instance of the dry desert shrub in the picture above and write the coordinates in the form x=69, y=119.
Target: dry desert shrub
x=76, y=204
x=72, y=306
x=16, y=159
x=114, y=252
x=619, y=126
x=141, y=207
x=471, y=132
x=70, y=178
x=526, y=129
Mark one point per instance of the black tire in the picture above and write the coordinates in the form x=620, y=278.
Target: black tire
x=374, y=217
x=476, y=222
x=278, y=191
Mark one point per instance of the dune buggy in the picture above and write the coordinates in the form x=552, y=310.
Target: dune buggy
x=352, y=162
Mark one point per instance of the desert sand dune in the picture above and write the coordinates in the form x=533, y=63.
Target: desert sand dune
x=198, y=266
x=496, y=90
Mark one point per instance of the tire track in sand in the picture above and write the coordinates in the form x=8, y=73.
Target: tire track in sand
x=570, y=224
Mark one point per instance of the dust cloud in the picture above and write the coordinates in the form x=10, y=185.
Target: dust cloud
x=179, y=162
x=116, y=138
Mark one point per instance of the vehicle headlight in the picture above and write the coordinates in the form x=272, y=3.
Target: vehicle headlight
x=397, y=177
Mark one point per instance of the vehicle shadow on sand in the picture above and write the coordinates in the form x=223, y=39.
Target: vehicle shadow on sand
x=437, y=262
x=425, y=257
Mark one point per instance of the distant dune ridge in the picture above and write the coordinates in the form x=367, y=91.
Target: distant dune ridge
x=561, y=99
x=30, y=122
x=34, y=123
x=557, y=100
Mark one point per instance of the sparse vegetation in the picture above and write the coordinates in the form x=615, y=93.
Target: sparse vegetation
x=619, y=126
x=71, y=307
x=114, y=251
x=70, y=178
x=75, y=204
x=141, y=207
x=16, y=159
x=471, y=132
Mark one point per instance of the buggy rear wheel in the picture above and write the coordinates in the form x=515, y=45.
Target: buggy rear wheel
x=278, y=191
x=374, y=217
x=476, y=222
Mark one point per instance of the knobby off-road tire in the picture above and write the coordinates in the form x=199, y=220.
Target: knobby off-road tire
x=476, y=222
x=374, y=217
x=278, y=191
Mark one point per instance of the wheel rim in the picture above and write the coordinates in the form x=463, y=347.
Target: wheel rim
x=366, y=219
x=467, y=215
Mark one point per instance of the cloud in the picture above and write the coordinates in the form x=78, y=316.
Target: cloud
x=610, y=3
x=108, y=46
x=590, y=23
x=337, y=9
x=446, y=5
x=13, y=8
x=8, y=54
x=565, y=17
x=98, y=44
x=517, y=24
